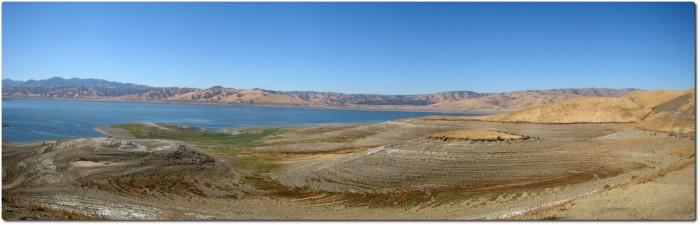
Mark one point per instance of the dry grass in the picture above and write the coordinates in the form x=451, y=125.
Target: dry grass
x=63, y=214
x=540, y=213
x=667, y=122
x=684, y=152
x=9, y=199
x=509, y=189
x=632, y=108
x=573, y=111
x=676, y=116
x=49, y=213
x=550, y=217
x=628, y=109
x=650, y=99
x=171, y=184
x=174, y=215
x=232, y=95
x=662, y=172
x=578, y=110
x=474, y=135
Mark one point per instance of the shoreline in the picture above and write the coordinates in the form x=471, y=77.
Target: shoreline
x=355, y=107
x=102, y=134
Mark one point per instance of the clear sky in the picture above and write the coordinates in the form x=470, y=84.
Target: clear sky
x=384, y=48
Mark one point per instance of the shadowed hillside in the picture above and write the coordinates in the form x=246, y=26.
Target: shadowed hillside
x=675, y=115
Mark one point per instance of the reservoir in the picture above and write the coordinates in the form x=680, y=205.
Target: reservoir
x=37, y=119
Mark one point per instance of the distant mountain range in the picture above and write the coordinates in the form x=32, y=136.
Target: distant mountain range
x=59, y=88
x=73, y=82
x=464, y=101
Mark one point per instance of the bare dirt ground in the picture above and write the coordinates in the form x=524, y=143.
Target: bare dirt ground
x=670, y=197
x=384, y=171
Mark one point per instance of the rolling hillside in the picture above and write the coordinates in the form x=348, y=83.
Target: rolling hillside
x=462, y=101
x=673, y=115
x=661, y=110
x=578, y=110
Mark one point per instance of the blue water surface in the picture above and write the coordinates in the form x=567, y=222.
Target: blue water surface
x=37, y=119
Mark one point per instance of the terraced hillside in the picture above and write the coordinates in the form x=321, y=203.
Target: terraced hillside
x=552, y=157
x=70, y=169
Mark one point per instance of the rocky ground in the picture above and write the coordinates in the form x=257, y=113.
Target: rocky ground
x=390, y=170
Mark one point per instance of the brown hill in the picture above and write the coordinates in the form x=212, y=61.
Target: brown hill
x=505, y=101
x=579, y=110
x=674, y=115
x=232, y=95
x=650, y=99
x=465, y=101
x=661, y=110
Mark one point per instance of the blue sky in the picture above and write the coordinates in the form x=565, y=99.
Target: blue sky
x=384, y=48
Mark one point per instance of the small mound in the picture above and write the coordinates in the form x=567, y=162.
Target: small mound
x=479, y=135
x=185, y=155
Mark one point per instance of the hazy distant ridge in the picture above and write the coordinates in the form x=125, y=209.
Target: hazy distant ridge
x=73, y=82
x=76, y=88
x=454, y=100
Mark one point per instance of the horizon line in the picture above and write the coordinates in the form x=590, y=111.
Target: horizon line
x=436, y=92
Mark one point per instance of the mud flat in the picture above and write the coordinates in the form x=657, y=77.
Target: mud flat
x=394, y=170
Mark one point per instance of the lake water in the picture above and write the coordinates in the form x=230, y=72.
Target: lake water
x=35, y=120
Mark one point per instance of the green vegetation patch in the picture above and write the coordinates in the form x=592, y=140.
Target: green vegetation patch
x=256, y=167
x=206, y=139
